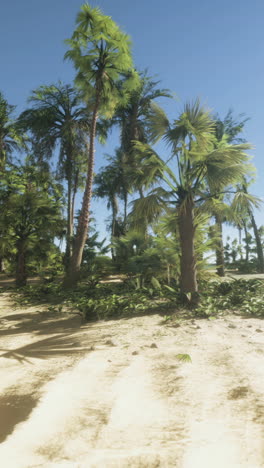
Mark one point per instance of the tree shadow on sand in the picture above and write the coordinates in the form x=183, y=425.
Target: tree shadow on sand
x=58, y=345
x=39, y=322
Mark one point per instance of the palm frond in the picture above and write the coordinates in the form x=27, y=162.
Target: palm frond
x=243, y=202
x=147, y=209
x=158, y=123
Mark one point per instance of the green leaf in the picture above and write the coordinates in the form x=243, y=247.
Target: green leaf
x=184, y=357
x=155, y=283
x=170, y=289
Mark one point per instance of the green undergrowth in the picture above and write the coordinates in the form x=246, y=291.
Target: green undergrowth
x=99, y=301
x=117, y=300
x=241, y=296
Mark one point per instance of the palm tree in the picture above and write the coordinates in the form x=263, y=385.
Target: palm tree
x=243, y=206
x=57, y=118
x=200, y=165
x=30, y=214
x=132, y=118
x=11, y=138
x=100, y=53
x=109, y=184
x=229, y=129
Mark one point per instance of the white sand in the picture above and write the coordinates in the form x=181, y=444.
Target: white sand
x=66, y=405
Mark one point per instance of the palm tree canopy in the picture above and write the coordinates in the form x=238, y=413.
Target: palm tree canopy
x=133, y=116
x=230, y=126
x=100, y=52
x=11, y=137
x=205, y=167
x=57, y=117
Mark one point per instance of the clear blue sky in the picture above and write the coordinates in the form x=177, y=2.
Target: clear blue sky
x=206, y=48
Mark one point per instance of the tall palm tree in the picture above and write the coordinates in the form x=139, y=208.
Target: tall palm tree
x=57, y=118
x=243, y=206
x=101, y=53
x=200, y=165
x=132, y=119
x=228, y=128
x=11, y=138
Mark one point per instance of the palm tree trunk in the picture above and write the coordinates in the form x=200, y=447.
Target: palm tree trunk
x=219, y=253
x=73, y=271
x=68, y=252
x=74, y=191
x=246, y=241
x=125, y=209
x=239, y=235
x=188, y=280
x=113, y=226
x=144, y=218
x=168, y=274
x=258, y=244
x=21, y=274
x=240, y=241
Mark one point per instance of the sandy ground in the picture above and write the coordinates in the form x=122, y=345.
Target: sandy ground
x=113, y=394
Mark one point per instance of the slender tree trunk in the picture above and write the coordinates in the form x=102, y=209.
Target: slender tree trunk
x=1, y=265
x=69, y=176
x=219, y=253
x=113, y=227
x=239, y=235
x=246, y=241
x=240, y=242
x=168, y=274
x=188, y=280
x=21, y=274
x=73, y=271
x=114, y=215
x=258, y=244
x=74, y=191
x=68, y=252
x=125, y=209
x=144, y=220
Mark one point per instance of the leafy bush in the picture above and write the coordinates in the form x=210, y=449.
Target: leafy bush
x=245, y=296
x=113, y=306
x=247, y=267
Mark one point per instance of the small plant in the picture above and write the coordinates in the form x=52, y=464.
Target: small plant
x=184, y=357
x=167, y=318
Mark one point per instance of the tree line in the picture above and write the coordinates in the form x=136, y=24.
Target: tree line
x=174, y=202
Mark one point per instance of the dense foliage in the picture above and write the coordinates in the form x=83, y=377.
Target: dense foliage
x=168, y=203
x=101, y=301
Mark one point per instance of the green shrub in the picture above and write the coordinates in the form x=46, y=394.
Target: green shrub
x=245, y=296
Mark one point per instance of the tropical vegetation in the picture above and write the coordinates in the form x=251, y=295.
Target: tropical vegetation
x=171, y=185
